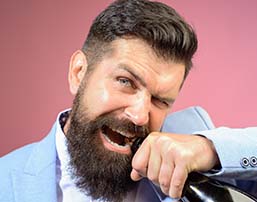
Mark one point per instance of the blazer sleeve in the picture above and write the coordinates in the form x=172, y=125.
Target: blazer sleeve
x=236, y=148
x=237, y=151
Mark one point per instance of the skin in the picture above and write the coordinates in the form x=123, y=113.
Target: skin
x=135, y=84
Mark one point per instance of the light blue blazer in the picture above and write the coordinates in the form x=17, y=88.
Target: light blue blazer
x=29, y=173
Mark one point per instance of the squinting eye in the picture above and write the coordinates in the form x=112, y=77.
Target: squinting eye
x=159, y=103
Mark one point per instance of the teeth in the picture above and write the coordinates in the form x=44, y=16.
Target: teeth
x=123, y=134
x=113, y=143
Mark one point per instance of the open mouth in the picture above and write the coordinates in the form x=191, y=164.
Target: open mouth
x=117, y=137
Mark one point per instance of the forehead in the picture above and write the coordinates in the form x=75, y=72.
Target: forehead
x=134, y=59
x=135, y=47
x=137, y=56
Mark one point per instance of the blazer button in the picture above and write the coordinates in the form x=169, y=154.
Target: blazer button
x=244, y=162
x=253, y=161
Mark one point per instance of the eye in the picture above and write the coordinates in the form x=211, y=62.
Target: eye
x=160, y=103
x=125, y=82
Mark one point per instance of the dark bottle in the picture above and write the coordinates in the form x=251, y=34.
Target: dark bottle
x=199, y=188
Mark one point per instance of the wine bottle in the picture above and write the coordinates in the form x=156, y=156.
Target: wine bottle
x=200, y=188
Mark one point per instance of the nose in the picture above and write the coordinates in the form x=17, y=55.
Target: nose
x=139, y=110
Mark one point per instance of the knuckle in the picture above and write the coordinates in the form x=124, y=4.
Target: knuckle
x=176, y=189
x=159, y=142
x=165, y=189
x=182, y=155
x=151, y=176
x=137, y=164
x=165, y=183
x=173, y=151
x=154, y=133
x=178, y=185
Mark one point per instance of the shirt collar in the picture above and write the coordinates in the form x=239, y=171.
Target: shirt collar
x=61, y=147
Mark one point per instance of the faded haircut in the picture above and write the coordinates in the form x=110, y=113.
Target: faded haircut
x=157, y=24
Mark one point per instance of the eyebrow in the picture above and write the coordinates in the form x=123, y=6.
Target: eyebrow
x=168, y=100
x=142, y=81
x=134, y=74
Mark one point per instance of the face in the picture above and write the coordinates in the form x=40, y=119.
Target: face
x=127, y=95
x=134, y=84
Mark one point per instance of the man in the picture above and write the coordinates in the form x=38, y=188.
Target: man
x=126, y=77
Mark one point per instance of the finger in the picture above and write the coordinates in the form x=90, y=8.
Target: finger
x=167, y=166
x=177, y=182
x=165, y=175
x=155, y=162
x=135, y=175
x=141, y=158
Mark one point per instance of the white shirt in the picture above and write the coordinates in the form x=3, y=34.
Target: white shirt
x=67, y=190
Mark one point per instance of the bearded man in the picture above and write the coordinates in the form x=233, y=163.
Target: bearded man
x=125, y=79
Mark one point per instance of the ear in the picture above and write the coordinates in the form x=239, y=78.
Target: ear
x=77, y=70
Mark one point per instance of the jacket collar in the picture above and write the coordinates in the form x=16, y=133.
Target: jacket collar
x=37, y=181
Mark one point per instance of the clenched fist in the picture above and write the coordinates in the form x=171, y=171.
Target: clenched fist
x=167, y=159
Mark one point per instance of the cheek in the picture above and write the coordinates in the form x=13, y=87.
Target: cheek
x=103, y=99
x=157, y=118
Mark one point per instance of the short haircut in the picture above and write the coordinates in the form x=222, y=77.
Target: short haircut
x=159, y=25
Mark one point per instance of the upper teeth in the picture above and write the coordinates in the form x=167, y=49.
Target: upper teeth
x=123, y=134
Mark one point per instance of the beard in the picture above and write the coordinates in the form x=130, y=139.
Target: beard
x=97, y=171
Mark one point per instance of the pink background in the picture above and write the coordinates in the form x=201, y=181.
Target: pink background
x=38, y=37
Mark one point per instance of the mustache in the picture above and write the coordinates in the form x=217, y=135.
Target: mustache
x=122, y=125
x=126, y=126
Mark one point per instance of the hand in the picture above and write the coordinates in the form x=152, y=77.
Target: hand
x=166, y=159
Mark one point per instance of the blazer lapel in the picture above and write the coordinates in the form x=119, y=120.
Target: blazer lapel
x=147, y=192
x=37, y=182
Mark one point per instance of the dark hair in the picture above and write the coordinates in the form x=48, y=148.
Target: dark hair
x=157, y=24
